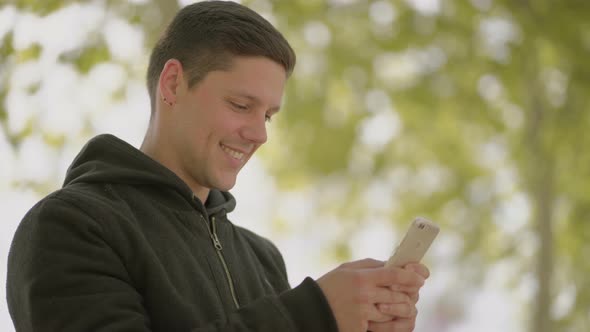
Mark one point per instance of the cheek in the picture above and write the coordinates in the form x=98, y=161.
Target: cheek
x=226, y=123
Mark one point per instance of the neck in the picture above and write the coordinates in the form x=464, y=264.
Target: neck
x=155, y=146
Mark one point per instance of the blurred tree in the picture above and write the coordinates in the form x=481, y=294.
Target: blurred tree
x=464, y=108
x=472, y=113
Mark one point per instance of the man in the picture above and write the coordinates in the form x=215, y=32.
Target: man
x=139, y=240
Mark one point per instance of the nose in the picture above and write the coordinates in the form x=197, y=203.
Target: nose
x=255, y=131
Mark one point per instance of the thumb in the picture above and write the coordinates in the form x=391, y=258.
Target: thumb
x=367, y=263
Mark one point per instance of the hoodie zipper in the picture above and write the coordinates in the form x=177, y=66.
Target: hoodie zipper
x=218, y=248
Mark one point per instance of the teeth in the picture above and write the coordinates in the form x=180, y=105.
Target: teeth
x=233, y=153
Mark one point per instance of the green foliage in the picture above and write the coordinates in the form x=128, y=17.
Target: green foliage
x=42, y=7
x=31, y=53
x=3, y=112
x=446, y=121
x=86, y=58
x=7, y=48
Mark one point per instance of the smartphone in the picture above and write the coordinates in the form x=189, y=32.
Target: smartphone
x=415, y=243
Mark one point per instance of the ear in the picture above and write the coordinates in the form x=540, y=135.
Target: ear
x=171, y=81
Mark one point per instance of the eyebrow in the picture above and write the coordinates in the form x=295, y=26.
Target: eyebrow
x=254, y=99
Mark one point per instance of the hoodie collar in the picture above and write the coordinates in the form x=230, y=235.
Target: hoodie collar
x=108, y=159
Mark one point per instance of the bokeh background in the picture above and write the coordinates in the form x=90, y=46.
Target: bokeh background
x=472, y=113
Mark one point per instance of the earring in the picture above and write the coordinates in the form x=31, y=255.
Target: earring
x=167, y=102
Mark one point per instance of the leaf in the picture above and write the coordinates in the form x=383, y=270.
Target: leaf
x=86, y=58
x=29, y=54
x=41, y=7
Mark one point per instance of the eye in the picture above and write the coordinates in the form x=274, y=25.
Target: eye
x=239, y=106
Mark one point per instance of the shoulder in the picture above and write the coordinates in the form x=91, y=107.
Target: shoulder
x=58, y=212
x=78, y=209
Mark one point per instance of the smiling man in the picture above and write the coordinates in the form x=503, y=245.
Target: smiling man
x=140, y=240
x=207, y=133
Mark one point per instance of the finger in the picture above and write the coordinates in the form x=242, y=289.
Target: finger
x=398, y=310
x=404, y=289
x=398, y=325
x=395, y=276
x=382, y=295
x=386, y=295
x=367, y=263
x=376, y=315
x=410, y=293
x=421, y=269
x=414, y=297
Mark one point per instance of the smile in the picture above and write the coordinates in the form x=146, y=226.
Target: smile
x=233, y=153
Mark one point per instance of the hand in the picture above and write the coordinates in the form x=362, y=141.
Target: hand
x=413, y=292
x=402, y=315
x=406, y=321
x=422, y=270
x=353, y=289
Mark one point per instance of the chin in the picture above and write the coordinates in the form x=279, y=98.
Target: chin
x=225, y=185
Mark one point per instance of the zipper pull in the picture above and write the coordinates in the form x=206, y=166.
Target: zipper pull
x=216, y=242
x=214, y=237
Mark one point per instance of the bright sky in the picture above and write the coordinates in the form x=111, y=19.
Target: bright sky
x=64, y=92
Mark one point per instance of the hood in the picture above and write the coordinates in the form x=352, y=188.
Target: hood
x=108, y=159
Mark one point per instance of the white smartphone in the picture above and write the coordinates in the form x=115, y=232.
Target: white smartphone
x=415, y=243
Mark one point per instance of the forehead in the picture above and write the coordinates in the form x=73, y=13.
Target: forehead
x=256, y=78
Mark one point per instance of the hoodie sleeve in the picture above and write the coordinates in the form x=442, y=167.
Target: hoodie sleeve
x=64, y=276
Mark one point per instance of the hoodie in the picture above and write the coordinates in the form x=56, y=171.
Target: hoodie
x=124, y=245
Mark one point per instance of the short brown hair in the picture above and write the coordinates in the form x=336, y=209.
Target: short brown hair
x=206, y=35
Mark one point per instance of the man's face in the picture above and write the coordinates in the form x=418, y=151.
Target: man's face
x=221, y=121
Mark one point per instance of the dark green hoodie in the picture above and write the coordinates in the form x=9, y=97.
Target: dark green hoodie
x=126, y=246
